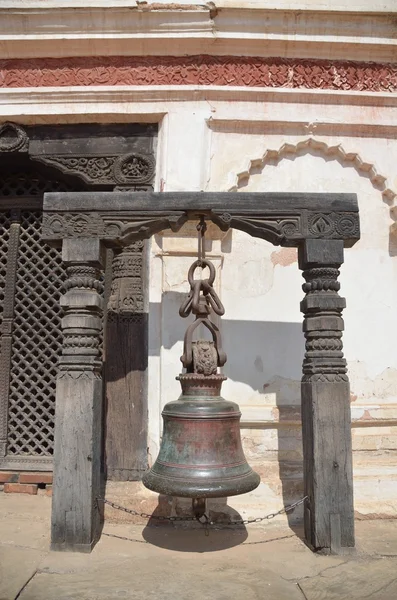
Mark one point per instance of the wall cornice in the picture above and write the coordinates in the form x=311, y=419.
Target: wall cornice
x=367, y=6
x=60, y=28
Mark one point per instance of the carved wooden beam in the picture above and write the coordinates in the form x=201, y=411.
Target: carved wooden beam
x=283, y=219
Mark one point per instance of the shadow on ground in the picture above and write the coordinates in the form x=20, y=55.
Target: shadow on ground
x=193, y=536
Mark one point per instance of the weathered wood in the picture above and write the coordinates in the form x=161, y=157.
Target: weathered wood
x=126, y=399
x=76, y=484
x=78, y=414
x=196, y=201
x=6, y=328
x=327, y=446
x=328, y=464
x=282, y=219
x=126, y=368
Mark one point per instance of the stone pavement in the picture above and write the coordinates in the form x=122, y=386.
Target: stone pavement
x=163, y=563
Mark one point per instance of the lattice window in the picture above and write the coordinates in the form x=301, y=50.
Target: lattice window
x=36, y=342
x=30, y=184
x=4, y=238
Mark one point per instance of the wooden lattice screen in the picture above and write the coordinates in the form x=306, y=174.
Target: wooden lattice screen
x=64, y=158
x=31, y=281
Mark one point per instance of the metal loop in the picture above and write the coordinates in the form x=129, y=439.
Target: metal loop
x=215, y=302
x=201, y=263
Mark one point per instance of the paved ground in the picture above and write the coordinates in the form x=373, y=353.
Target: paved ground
x=161, y=563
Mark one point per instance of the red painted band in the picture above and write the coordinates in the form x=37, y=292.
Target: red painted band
x=199, y=70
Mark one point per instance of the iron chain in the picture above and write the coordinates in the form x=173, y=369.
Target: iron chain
x=284, y=510
x=201, y=228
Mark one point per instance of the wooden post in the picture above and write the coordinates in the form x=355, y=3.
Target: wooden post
x=327, y=447
x=126, y=367
x=76, y=522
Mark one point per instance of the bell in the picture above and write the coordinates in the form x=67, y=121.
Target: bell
x=201, y=455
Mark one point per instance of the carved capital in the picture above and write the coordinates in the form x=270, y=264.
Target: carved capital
x=82, y=322
x=323, y=326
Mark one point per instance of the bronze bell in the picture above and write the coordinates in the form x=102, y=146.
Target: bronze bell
x=201, y=455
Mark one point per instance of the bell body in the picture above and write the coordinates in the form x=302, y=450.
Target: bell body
x=201, y=455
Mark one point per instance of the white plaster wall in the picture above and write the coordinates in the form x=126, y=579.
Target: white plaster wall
x=208, y=139
x=260, y=286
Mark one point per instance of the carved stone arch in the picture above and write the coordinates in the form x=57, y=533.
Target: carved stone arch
x=333, y=152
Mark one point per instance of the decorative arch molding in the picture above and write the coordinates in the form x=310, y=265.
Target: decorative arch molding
x=336, y=152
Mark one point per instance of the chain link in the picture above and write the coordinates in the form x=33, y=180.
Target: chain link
x=201, y=228
x=206, y=522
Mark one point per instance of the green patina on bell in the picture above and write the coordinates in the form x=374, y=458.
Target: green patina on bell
x=201, y=455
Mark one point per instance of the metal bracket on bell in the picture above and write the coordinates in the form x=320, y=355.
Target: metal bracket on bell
x=201, y=301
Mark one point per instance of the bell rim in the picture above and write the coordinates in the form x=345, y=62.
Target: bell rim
x=183, y=488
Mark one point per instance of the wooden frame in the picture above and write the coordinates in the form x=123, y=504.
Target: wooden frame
x=76, y=157
x=319, y=225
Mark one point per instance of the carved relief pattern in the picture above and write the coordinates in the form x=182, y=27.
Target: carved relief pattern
x=321, y=225
x=200, y=70
x=126, y=300
x=83, y=278
x=73, y=225
x=333, y=225
x=12, y=138
x=130, y=168
x=323, y=326
x=205, y=358
x=82, y=323
x=289, y=229
x=137, y=226
x=321, y=279
x=347, y=225
x=283, y=230
x=276, y=230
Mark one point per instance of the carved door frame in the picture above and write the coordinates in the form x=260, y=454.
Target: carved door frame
x=49, y=165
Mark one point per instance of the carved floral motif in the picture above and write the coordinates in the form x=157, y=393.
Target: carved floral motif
x=127, y=230
x=321, y=225
x=199, y=70
x=130, y=168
